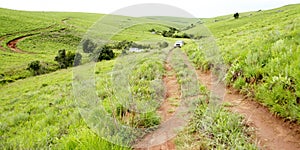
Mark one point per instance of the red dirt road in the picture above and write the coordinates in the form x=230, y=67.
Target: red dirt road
x=272, y=132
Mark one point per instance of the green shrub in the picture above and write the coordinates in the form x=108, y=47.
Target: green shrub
x=38, y=68
x=236, y=16
x=147, y=120
x=34, y=67
x=104, y=53
x=66, y=59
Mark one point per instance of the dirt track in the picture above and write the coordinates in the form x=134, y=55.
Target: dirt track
x=271, y=132
x=172, y=92
x=13, y=43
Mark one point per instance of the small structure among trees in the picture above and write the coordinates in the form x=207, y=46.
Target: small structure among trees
x=236, y=15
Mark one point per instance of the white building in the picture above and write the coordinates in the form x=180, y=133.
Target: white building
x=135, y=50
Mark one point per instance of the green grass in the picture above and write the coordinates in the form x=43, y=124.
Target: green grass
x=48, y=36
x=260, y=52
x=45, y=42
x=44, y=111
x=211, y=125
x=176, y=22
x=140, y=32
x=214, y=127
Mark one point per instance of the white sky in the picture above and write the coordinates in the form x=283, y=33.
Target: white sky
x=198, y=8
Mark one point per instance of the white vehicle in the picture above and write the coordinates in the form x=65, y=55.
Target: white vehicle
x=178, y=44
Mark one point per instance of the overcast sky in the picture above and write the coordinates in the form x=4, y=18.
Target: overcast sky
x=198, y=8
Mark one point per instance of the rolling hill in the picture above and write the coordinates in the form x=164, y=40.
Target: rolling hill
x=259, y=55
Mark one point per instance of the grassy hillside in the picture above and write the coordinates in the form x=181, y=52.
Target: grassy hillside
x=44, y=115
x=40, y=112
x=49, y=32
x=261, y=53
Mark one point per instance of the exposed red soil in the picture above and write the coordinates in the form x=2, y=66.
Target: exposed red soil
x=153, y=140
x=13, y=44
x=172, y=92
x=21, y=32
x=271, y=132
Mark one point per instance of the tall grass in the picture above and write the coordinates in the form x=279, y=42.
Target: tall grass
x=211, y=126
x=260, y=52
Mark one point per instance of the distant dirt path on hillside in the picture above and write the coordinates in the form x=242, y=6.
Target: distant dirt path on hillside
x=272, y=132
x=2, y=38
x=152, y=141
x=12, y=44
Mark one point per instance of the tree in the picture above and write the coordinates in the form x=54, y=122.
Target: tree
x=61, y=59
x=236, y=16
x=66, y=59
x=104, y=53
x=70, y=58
x=88, y=46
x=34, y=67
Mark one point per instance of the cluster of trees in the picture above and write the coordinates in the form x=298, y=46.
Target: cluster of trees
x=123, y=45
x=103, y=53
x=98, y=53
x=169, y=33
x=64, y=59
x=174, y=33
x=67, y=59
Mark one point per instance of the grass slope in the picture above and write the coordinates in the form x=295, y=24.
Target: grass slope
x=52, y=31
x=48, y=37
x=43, y=107
x=44, y=115
x=261, y=51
